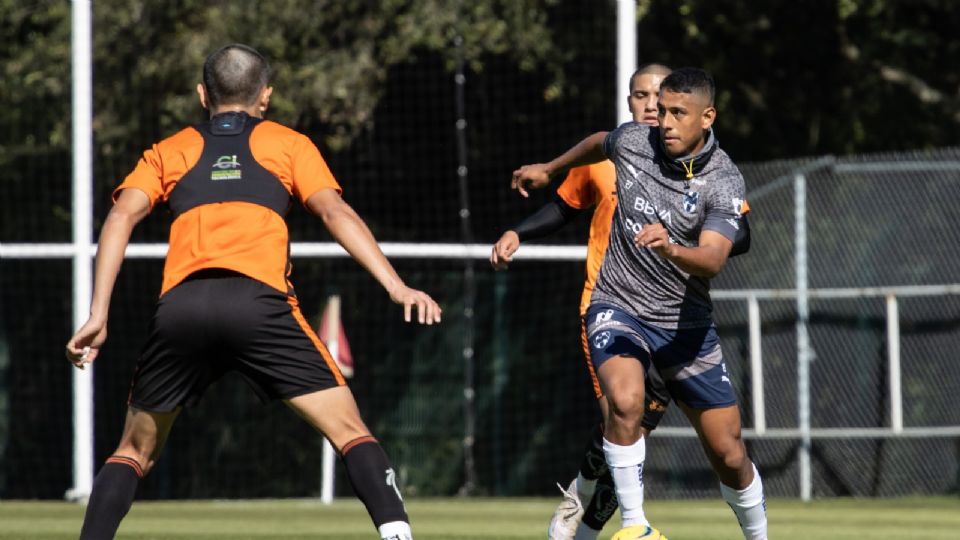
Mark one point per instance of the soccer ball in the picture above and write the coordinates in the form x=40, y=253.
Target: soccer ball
x=638, y=532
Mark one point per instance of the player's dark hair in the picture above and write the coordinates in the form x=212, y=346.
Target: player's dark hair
x=647, y=69
x=690, y=80
x=235, y=73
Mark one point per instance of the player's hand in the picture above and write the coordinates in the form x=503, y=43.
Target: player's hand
x=527, y=177
x=654, y=236
x=504, y=249
x=84, y=346
x=428, y=311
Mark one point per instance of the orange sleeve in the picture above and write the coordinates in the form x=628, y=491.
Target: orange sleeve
x=310, y=170
x=147, y=176
x=162, y=166
x=577, y=190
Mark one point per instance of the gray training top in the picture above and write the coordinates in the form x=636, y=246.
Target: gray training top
x=653, y=188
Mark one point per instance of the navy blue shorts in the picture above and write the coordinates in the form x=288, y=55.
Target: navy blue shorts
x=689, y=360
x=217, y=321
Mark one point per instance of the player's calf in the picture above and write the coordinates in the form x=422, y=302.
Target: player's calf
x=111, y=497
x=750, y=506
x=601, y=508
x=375, y=483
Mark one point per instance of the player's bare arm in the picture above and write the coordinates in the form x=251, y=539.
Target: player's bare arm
x=131, y=207
x=504, y=249
x=353, y=234
x=537, y=176
x=705, y=260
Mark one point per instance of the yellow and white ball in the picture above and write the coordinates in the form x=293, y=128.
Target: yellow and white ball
x=638, y=532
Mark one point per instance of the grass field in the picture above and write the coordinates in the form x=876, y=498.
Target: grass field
x=486, y=519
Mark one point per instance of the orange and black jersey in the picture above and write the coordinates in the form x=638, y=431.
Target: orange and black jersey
x=229, y=183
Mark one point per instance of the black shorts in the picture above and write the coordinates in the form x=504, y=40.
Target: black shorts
x=218, y=321
x=656, y=397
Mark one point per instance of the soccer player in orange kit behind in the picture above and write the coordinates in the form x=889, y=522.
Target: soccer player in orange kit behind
x=226, y=303
x=589, y=501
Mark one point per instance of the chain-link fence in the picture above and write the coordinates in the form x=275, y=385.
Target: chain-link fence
x=871, y=221
x=879, y=228
x=872, y=410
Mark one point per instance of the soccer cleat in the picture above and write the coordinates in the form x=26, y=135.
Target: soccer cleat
x=563, y=525
x=638, y=532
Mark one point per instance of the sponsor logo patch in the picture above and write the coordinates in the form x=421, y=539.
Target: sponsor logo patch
x=226, y=168
x=737, y=206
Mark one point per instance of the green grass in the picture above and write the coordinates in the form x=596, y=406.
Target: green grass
x=485, y=519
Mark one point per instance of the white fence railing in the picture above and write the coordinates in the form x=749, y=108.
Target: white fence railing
x=752, y=297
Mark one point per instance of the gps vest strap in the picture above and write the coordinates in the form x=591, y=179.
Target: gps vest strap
x=227, y=170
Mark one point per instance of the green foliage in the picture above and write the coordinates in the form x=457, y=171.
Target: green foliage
x=34, y=63
x=828, y=77
x=806, y=78
x=331, y=58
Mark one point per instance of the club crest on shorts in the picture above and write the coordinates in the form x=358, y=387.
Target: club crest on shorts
x=690, y=200
x=600, y=340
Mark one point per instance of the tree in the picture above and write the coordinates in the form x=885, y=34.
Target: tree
x=805, y=78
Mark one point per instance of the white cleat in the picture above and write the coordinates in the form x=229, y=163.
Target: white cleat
x=563, y=525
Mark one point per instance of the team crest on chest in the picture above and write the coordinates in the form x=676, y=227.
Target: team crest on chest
x=690, y=200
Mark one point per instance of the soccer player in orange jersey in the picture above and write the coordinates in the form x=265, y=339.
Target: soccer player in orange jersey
x=589, y=501
x=226, y=302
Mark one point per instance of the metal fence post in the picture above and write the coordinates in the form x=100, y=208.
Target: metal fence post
x=893, y=364
x=81, y=52
x=756, y=366
x=803, y=338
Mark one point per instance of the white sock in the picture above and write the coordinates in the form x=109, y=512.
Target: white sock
x=585, y=488
x=749, y=506
x=626, y=466
x=395, y=530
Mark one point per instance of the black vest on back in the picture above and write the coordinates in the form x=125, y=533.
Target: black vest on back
x=227, y=170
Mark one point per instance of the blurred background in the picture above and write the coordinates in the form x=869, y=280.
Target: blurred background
x=841, y=326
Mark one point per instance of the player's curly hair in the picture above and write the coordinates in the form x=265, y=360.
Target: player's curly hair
x=235, y=74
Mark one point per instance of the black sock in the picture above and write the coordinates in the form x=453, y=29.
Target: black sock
x=602, y=505
x=374, y=480
x=111, y=497
x=594, y=463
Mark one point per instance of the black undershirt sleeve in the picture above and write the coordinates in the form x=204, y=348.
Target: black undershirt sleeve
x=549, y=218
x=741, y=242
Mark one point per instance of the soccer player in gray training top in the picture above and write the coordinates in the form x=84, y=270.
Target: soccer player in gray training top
x=680, y=205
x=589, y=501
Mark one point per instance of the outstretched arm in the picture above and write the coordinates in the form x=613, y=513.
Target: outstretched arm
x=352, y=233
x=536, y=176
x=131, y=207
x=549, y=218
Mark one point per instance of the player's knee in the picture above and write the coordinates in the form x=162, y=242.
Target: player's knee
x=626, y=404
x=731, y=455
